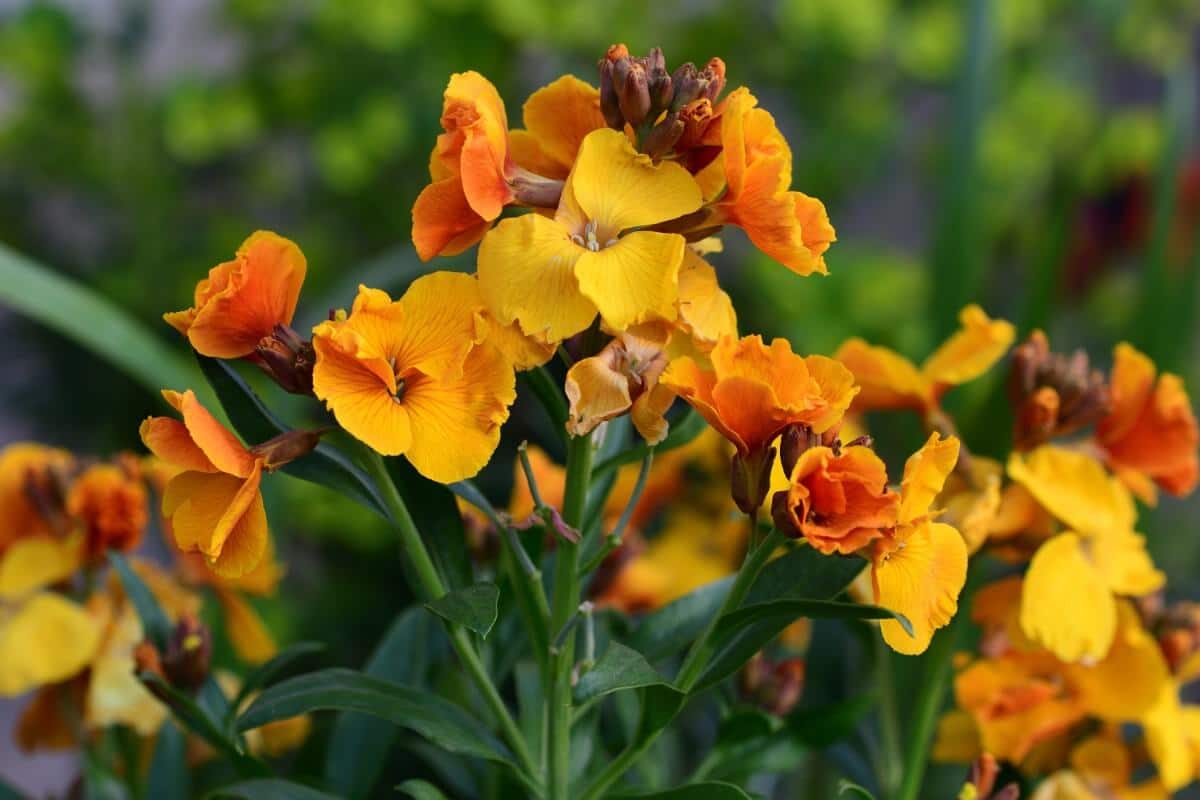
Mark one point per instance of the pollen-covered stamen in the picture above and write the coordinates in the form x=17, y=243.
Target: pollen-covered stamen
x=401, y=384
x=590, y=238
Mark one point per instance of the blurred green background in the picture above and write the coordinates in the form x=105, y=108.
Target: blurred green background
x=1037, y=156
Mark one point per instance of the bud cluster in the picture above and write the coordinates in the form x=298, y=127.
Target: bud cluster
x=286, y=359
x=1053, y=394
x=668, y=111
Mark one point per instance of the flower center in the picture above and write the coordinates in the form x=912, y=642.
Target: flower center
x=398, y=395
x=590, y=238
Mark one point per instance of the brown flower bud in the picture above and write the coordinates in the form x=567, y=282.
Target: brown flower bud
x=794, y=441
x=610, y=105
x=774, y=686
x=750, y=478
x=1052, y=394
x=286, y=359
x=633, y=93
x=714, y=74
x=696, y=117
x=189, y=654
x=287, y=447
x=659, y=81
x=662, y=137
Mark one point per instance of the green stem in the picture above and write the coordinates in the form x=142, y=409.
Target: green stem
x=431, y=588
x=564, y=602
x=549, y=394
x=613, y=540
x=889, y=726
x=938, y=660
x=693, y=665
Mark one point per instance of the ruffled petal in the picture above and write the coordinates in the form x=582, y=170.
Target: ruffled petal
x=634, y=280
x=921, y=580
x=1066, y=605
x=980, y=343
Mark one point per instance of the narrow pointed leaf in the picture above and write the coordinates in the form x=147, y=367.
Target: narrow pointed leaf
x=169, y=776
x=266, y=673
x=441, y=722
x=270, y=789
x=421, y=790
x=674, y=626
x=706, y=790
x=619, y=668
x=154, y=620
x=474, y=607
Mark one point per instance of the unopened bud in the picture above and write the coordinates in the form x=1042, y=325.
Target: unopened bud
x=750, y=478
x=774, y=686
x=792, y=444
x=662, y=137
x=634, y=94
x=286, y=447
x=687, y=83
x=189, y=654
x=714, y=74
x=1052, y=394
x=610, y=106
x=286, y=359
x=696, y=117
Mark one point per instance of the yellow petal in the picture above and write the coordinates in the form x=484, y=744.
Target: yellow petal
x=249, y=636
x=36, y=562
x=957, y=738
x=1166, y=738
x=45, y=640
x=705, y=310
x=219, y=515
x=970, y=352
x=924, y=475
x=527, y=273
x=1075, y=488
x=1064, y=785
x=559, y=116
x=887, y=379
x=1128, y=681
x=921, y=580
x=439, y=324
x=596, y=392
x=1066, y=604
x=456, y=422
x=619, y=188
x=1122, y=559
x=114, y=695
x=635, y=279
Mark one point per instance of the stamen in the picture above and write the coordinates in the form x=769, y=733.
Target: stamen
x=398, y=395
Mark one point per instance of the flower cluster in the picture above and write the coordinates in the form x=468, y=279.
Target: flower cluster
x=68, y=630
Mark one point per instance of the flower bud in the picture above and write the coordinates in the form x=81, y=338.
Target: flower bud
x=189, y=654
x=286, y=447
x=774, y=686
x=1052, y=394
x=750, y=478
x=659, y=80
x=714, y=74
x=286, y=359
x=662, y=137
x=794, y=441
x=634, y=93
x=610, y=106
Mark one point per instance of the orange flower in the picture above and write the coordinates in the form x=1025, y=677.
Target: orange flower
x=468, y=167
x=752, y=393
x=838, y=502
x=214, y=505
x=29, y=474
x=889, y=380
x=241, y=301
x=1150, y=436
x=111, y=506
x=789, y=226
x=247, y=633
x=622, y=377
x=408, y=378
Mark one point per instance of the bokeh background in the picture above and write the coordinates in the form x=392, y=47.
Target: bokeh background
x=1036, y=156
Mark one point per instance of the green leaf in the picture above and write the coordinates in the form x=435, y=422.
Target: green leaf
x=474, y=607
x=436, y=513
x=7, y=792
x=420, y=711
x=154, y=620
x=674, y=626
x=359, y=744
x=266, y=673
x=70, y=308
x=846, y=787
x=270, y=789
x=821, y=726
x=421, y=790
x=804, y=573
x=619, y=668
x=683, y=431
x=706, y=790
x=169, y=775
x=202, y=723
x=745, y=631
x=550, y=396
x=326, y=465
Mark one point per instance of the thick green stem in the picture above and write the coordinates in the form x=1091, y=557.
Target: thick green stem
x=564, y=602
x=889, y=722
x=693, y=665
x=431, y=587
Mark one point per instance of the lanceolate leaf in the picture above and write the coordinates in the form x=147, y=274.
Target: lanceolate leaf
x=804, y=573
x=421, y=790
x=619, y=668
x=154, y=621
x=264, y=674
x=442, y=722
x=360, y=743
x=90, y=320
x=474, y=607
x=674, y=626
x=169, y=776
x=707, y=790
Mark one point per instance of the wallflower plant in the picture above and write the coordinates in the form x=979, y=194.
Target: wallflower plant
x=703, y=497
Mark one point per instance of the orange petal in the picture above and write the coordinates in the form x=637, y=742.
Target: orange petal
x=596, y=391
x=249, y=636
x=262, y=291
x=362, y=404
x=443, y=222
x=887, y=379
x=971, y=351
x=472, y=109
x=169, y=439
x=558, y=116
x=217, y=443
x=219, y=515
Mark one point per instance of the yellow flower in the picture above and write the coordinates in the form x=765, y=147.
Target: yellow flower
x=552, y=274
x=27, y=472
x=408, y=378
x=889, y=380
x=44, y=637
x=623, y=377
x=557, y=119
x=919, y=567
x=1069, y=598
